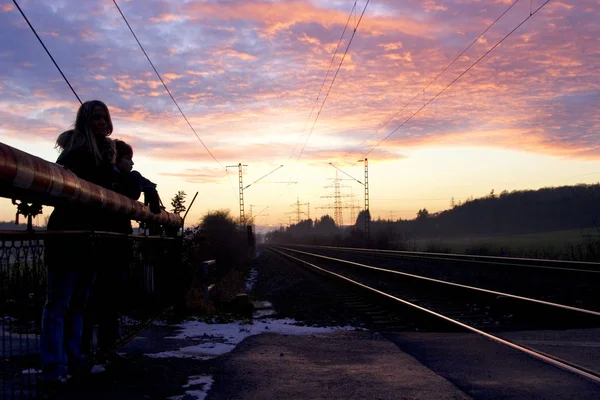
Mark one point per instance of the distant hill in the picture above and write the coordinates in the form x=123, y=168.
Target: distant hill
x=517, y=212
x=507, y=213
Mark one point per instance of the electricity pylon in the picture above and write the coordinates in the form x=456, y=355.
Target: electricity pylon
x=366, y=209
x=337, y=204
x=298, y=211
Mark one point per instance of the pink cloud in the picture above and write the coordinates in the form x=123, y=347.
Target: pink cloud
x=275, y=17
x=168, y=18
x=260, y=64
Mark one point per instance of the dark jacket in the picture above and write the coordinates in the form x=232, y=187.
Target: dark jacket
x=73, y=217
x=70, y=251
x=132, y=184
x=128, y=184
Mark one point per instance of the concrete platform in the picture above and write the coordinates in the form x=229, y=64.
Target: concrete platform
x=342, y=365
x=486, y=370
x=339, y=365
x=577, y=346
x=248, y=361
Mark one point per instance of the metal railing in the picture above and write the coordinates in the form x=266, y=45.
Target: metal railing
x=141, y=272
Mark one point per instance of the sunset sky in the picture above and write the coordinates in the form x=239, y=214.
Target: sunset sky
x=247, y=73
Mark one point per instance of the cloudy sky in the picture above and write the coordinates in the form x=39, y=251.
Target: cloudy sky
x=247, y=74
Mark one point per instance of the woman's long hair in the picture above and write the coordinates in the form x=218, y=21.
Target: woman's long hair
x=82, y=137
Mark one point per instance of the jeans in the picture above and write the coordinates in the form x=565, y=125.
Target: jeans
x=103, y=308
x=62, y=319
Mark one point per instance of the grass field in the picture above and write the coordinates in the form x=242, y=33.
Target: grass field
x=577, y=245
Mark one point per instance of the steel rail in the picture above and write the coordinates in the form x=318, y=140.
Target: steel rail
x=474, y=288
x=508, y=261
x=546, y=358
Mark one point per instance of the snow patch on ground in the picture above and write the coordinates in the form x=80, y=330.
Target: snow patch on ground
x=181, y=353
x=204, y=381
x=251, y=280
x=217, y=339
x=263, y=313
x=98, y=369
x=31, y=371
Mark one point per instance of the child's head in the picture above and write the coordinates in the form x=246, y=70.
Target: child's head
x=124, y=156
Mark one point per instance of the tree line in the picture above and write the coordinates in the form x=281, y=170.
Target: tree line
x=506, y=213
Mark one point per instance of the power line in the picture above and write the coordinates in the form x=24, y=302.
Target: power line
x=457, y=78
x=325, y=78
x=334, y=77
x=231, y=182
x=47, y=51
x=330, y=86
x=440, y=73
x=293, y=172
x=165, y=86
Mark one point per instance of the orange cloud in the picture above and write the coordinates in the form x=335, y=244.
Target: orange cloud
x=167, y=18
x=431, y=5
x=234, y=91
x=171, y=76
x=311, y=40
x=391, y=46
x=236, y=54
x=201, y=176
x=280, y=16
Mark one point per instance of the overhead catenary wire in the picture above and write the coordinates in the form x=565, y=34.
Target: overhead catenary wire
x=293, y=171
x=324, y=79
x=422, y=91
x=330, y=86
x=47, y=51
x=237, y=196
x=457, y=78
x=334, y=78
x=165, y=86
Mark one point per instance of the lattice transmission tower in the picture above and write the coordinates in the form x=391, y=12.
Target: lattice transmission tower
x=298, y=210
x=337, y=206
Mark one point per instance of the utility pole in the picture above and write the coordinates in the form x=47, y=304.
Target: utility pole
x=242, y=187
x=251, y=217
x=241, y=190
x=367, y=227
x=367, y=212
x=339, y=216
x=297, y=210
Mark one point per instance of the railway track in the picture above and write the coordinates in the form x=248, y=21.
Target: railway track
x=571, y=283
x=446, y=304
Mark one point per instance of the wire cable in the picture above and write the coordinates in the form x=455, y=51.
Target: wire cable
x=457, y=78
x=293, y=171
x=47, y=51
x=237, y=196
x=324, y=79
x=165, y=86
x=329, y=89
x=422, y=91
x=334, y=78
